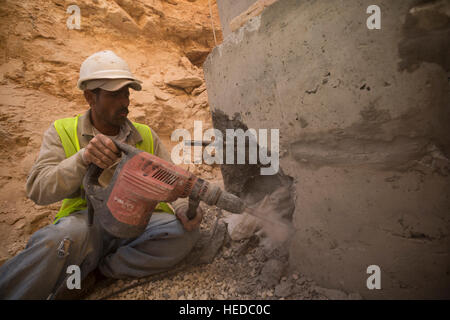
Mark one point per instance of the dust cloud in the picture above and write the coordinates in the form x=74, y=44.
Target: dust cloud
x=269, y=212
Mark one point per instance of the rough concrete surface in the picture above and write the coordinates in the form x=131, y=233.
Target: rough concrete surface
x=228, y=10
x=364, y=135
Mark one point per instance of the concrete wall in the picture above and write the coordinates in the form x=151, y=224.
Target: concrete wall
x=229, y=9
x=364, y=132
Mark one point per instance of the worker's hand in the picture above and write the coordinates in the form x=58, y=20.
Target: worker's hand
x=189, y=225
x=101, y=151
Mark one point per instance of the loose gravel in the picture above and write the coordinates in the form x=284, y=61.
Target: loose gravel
x=239, y=270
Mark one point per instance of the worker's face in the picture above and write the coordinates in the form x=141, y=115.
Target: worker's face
x=111, y=106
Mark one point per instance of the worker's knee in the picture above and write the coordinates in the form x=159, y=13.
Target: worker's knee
x=167, y=226
x=188, y=240
x=191, y=237
x=184, y=245
x=182, y=239
x=168, y=237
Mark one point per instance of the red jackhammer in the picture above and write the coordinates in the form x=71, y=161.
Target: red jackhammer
x=140, y=182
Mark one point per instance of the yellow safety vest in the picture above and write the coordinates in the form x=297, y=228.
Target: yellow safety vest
x=67, y=130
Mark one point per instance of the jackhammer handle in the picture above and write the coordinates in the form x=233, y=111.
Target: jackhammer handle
x=91, y=186
x=90, y=180
x=192, y=210
x=126, y=148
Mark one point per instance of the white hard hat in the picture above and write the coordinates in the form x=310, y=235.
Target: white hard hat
x=112, y=70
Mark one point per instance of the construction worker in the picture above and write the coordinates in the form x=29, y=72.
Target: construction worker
x=40, y=271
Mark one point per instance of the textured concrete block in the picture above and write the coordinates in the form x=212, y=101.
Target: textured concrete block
x=364, y=136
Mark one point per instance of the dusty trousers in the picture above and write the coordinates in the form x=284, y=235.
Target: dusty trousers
x=41, y=268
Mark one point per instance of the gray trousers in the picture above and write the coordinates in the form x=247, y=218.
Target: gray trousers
x=41, y=267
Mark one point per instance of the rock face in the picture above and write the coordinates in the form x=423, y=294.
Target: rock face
x=184, y=81
x=39, y=64
x=363, y=118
